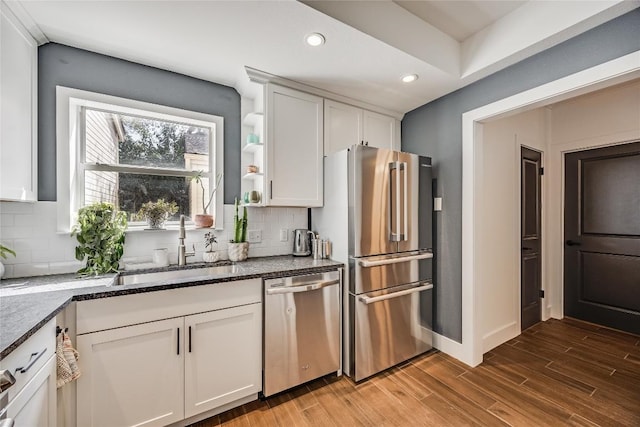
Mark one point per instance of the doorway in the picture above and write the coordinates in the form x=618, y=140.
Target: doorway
x=602, y=236
x=530, y=237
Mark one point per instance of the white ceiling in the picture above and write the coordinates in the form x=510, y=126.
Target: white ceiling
x=370, y=44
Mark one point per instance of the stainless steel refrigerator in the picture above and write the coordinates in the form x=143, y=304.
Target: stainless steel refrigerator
x=378, y=215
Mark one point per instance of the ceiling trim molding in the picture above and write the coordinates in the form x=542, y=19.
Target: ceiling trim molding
x=27, y=21
x=262, y=77
x=519, y=35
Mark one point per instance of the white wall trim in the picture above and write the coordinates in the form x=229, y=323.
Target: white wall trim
x=500, y=335
x=613, y=72
x=448, y=346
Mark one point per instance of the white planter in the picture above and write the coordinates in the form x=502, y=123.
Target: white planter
x=210, y=256
x=238, y=251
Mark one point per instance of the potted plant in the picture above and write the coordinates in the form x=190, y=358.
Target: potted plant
x=205, y=220
x=239, y=247
x=156, y=213
x=100, y=234
x=209, y=255
x=4, y=251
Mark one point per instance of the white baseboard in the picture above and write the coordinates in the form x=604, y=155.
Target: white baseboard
x=450, y=347
x=499, y=336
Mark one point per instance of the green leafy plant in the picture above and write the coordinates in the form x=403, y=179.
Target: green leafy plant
x=100, y=234
x=156, y=213
x=240, y=225
x=199, y=177
x=4, y=251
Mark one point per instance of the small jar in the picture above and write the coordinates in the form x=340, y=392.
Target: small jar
x=252, y=169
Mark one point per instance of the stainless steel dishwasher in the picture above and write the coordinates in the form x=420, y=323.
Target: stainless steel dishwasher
x=302, y=324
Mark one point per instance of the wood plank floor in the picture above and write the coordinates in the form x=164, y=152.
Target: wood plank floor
x=558, y=372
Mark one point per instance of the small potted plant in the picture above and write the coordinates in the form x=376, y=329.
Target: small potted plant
x=4, y=251
x=209, y=255
x=205, y=220
x=100, y=234
x=239, y=247
x=156, y=213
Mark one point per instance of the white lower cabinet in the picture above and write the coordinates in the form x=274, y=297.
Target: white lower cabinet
x=132, y=375
x=32, y=398
x=161, y=372
x=35, y=405
x=223, y=357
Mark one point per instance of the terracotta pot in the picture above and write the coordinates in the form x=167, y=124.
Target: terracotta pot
x=238, y=251
x=203, y=221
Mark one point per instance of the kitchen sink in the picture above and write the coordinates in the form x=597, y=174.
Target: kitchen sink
x=176, y=275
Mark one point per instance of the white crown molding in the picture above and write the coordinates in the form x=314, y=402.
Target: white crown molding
x=27, y=21
x=262, y=77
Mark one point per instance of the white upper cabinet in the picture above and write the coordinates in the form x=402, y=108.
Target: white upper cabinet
x=18, y=110
x=345, y=125
x=342, y=126
x=381, y=131
x=294, y=148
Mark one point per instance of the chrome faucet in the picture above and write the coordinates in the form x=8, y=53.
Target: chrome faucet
x=182, y=250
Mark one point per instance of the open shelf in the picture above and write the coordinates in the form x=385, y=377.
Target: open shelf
x=253, y=175
x=253, y=119
x=252, y=148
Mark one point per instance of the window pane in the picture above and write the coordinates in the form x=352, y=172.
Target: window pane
x=129, y=191
x=114, y=138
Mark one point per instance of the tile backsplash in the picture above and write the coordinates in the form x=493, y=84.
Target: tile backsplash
x=31, y=230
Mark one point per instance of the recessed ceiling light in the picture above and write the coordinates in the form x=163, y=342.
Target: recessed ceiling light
x=410, y=78
x=314, y=39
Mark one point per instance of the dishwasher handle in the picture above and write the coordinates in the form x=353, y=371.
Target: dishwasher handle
x=302, y=287
x=370, y=300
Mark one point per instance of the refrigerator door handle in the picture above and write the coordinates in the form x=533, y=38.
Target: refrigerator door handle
x=394, y=202
x=394, y=260
x=370, y=300
x=405, y=219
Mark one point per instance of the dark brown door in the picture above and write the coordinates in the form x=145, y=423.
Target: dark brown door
x=531, y=260
x=602, y=236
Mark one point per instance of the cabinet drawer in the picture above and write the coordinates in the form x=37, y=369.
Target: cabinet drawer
x=115, y=312
x=35, y=405
x=25, y=361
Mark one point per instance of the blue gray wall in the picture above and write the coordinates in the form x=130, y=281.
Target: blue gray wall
x=80, y=69
x=435, y=130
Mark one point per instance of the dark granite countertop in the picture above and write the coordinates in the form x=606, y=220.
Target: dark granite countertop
x=26, y=304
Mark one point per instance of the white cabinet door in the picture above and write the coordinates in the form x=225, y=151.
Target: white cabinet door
x=132, y=376
x=223, y=357
x=342, y=126
x=381, y=131
x=35, y=405
x=18, y=114
x=294, y=148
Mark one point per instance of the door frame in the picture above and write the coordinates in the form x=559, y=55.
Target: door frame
x=610, y=73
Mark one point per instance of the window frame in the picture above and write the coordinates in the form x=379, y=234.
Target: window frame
x=70, y=148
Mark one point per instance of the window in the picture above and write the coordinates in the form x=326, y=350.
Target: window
x=128, y=153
